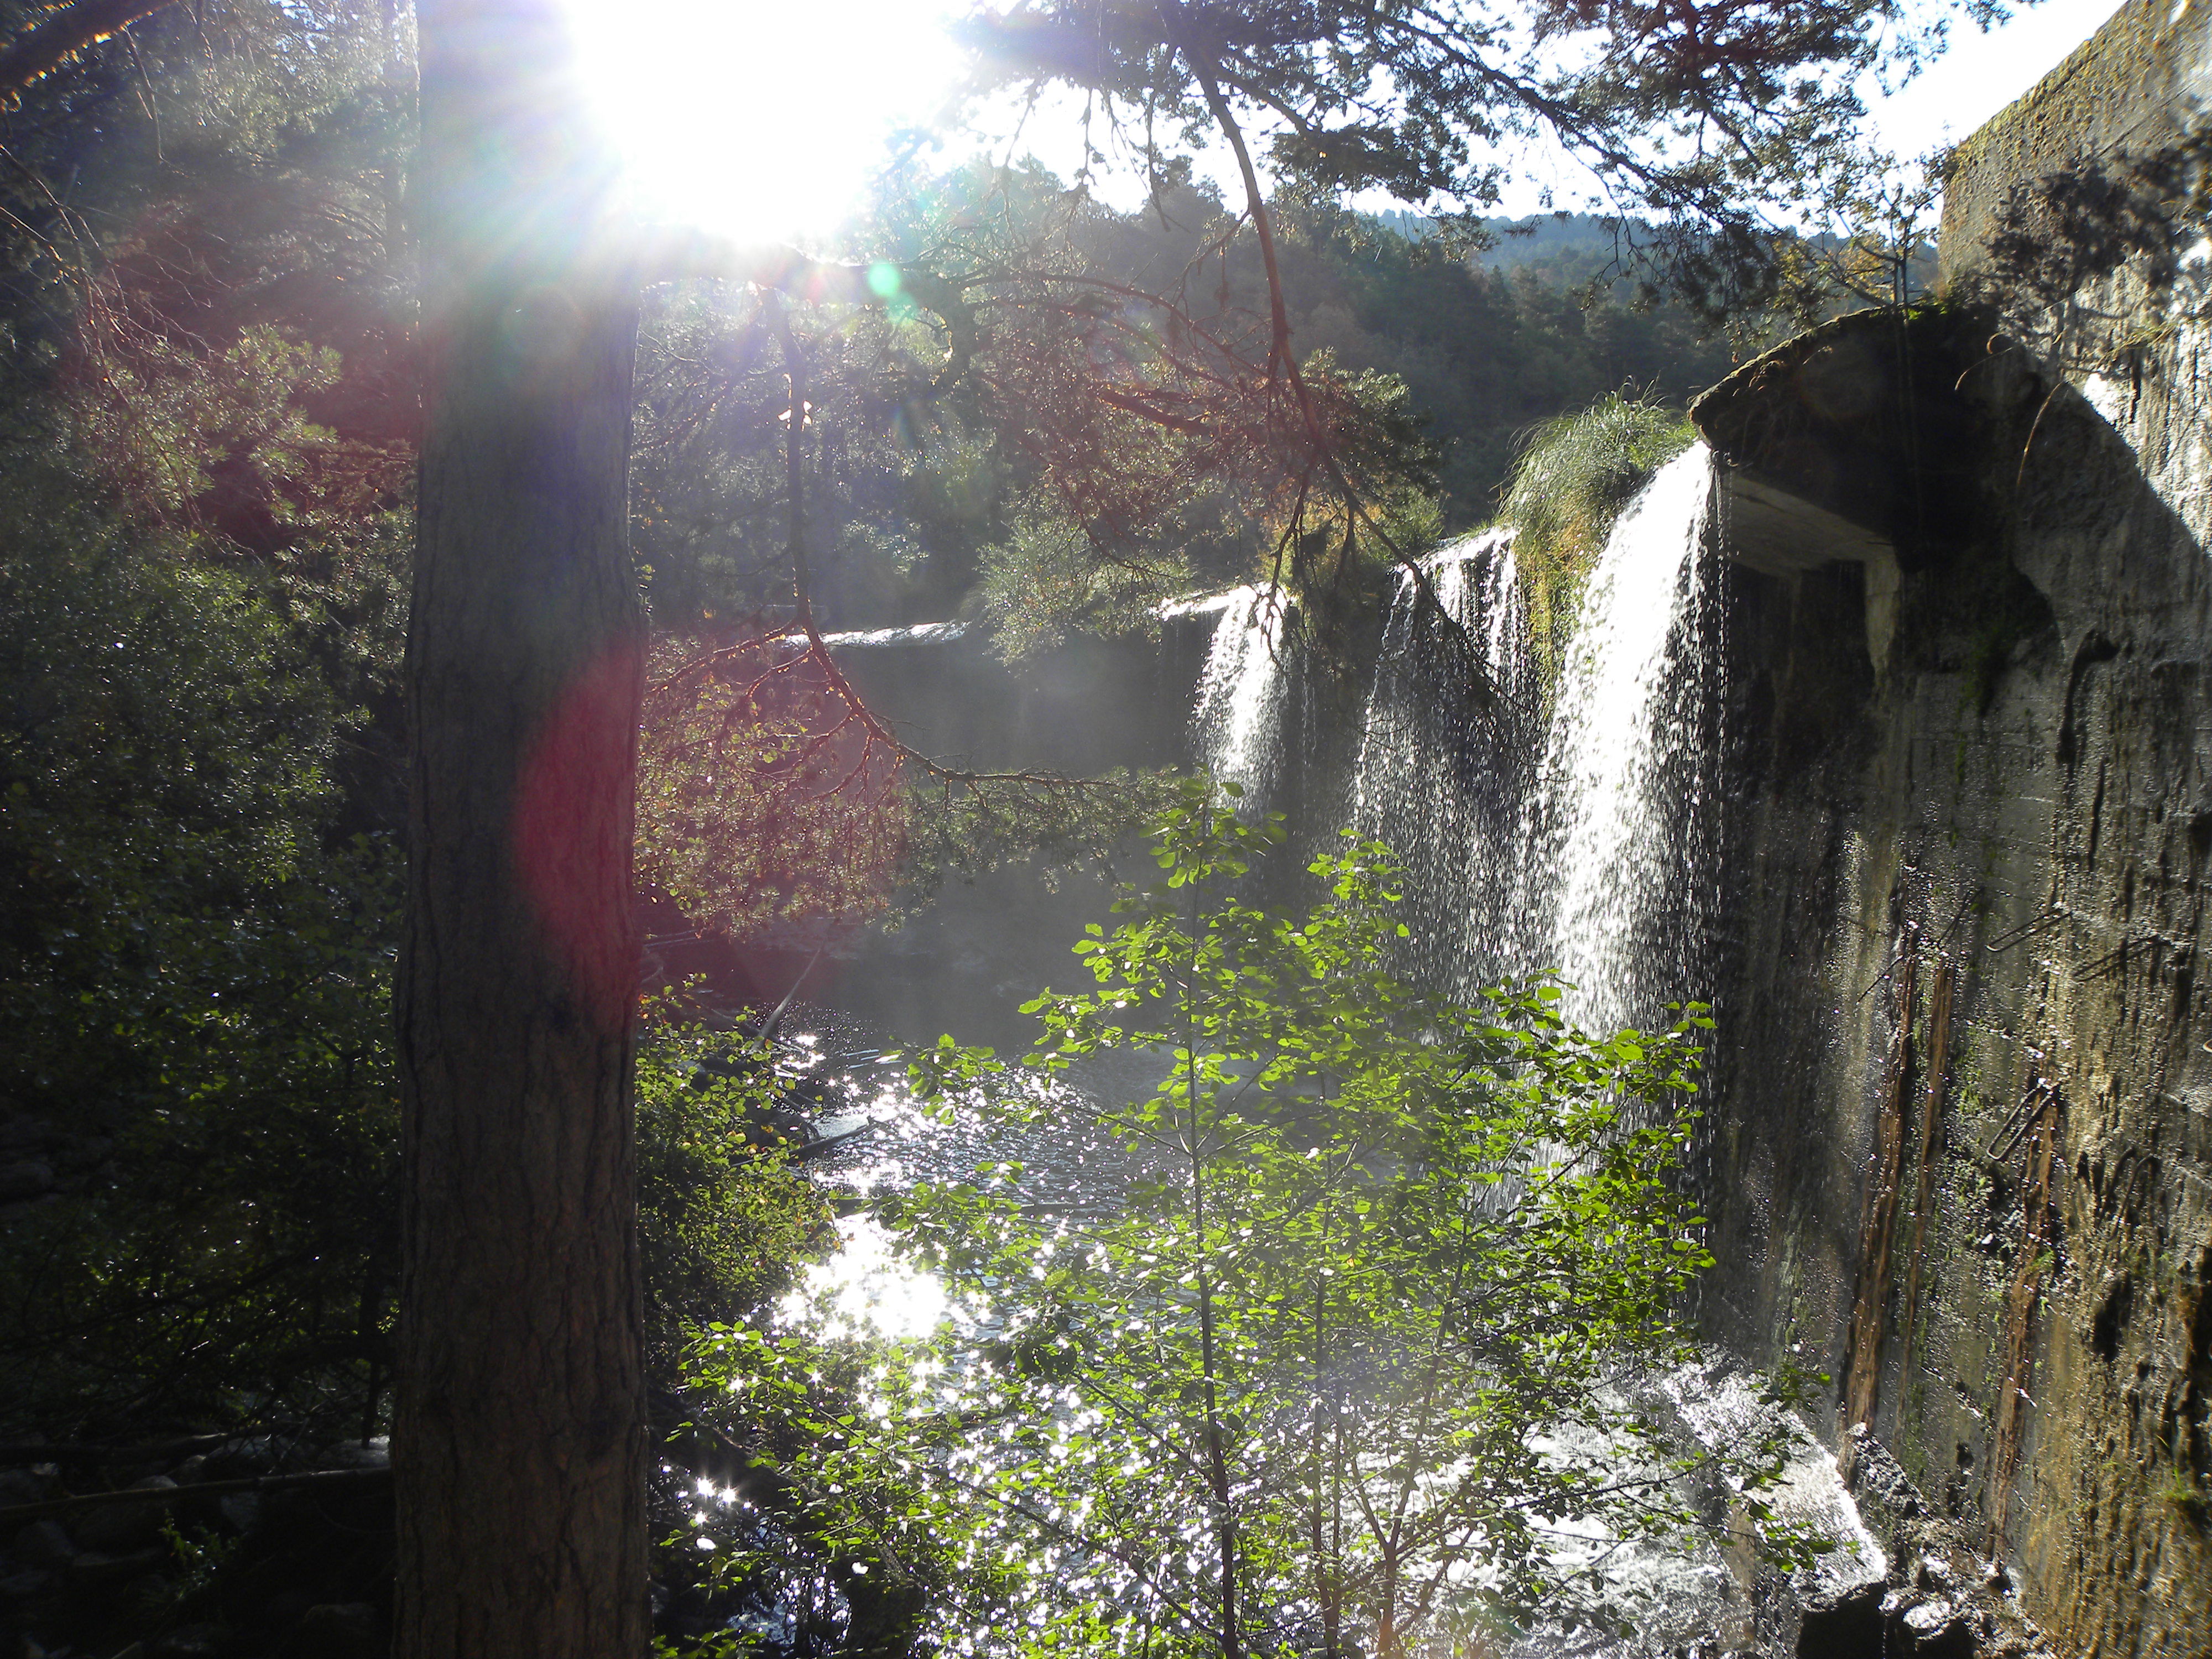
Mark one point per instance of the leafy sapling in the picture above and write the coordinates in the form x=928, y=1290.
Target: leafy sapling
x=1360, y=1338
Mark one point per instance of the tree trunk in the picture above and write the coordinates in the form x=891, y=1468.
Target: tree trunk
x=520, y=1428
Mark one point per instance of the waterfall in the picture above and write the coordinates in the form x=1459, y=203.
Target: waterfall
x=1440, y=766
x=1619, y=837
x=1237, y=726
x=1587, y=845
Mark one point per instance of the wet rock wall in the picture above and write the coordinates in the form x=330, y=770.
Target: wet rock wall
x=1961, y=1149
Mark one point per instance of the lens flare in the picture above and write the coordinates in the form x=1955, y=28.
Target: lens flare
x=763, y=121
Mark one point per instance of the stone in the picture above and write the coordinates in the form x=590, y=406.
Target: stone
x=26, y=1178
x=1878, y=1478
x=117, y=1529
x=21, y=1487
x=1933, y=1630
x=23, y=1585
x=1846, y=1625
x=2000, y=796
x=45, y=1544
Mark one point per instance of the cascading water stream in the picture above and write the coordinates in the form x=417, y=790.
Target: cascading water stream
x=1441, y=765
x=1585, y=847
x=1618, y=838
x=1237, y=725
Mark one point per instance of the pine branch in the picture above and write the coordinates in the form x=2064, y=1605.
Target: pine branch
x=60, y=35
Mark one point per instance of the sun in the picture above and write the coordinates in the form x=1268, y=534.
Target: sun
x=762, y=121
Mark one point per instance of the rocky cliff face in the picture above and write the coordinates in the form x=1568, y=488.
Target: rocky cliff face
x=1962, y=1154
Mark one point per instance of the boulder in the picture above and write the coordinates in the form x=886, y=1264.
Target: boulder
x=26, y=1178
x=45, y=1544
x=1930, y=1629
x=118, y=1528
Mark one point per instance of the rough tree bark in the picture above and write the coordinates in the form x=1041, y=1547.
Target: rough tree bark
x=519, y=1442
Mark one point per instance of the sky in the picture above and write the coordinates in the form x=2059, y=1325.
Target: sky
x=815, y=97
x=1982, y=73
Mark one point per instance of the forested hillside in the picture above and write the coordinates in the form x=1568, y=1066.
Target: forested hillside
x=915, y=508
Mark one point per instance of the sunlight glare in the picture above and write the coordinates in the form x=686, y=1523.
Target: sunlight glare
x=761, y=122
x=866, y=1286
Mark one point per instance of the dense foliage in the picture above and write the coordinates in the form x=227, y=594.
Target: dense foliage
x=1357, y=1344
x=195, y=969
x=198, y=1100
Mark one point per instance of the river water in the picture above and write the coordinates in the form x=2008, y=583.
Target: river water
x=1701, y=1601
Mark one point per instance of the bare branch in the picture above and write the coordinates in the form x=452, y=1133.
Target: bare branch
x=60, y=35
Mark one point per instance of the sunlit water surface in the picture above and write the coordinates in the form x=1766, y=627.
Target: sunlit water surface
x=1695, y=1599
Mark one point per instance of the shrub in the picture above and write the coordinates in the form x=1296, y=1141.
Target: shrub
x=1574, y=474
